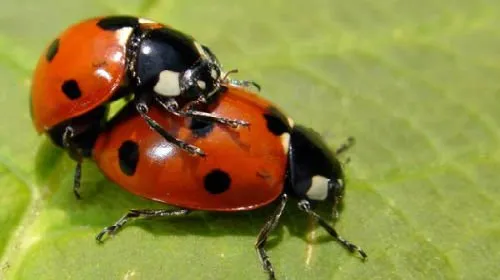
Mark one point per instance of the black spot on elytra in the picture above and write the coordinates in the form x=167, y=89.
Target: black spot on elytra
x=52, y=50
x=277, y=122
x=118, y=22
x=128, y=155
x=217, y=181
x=71, y=89
x=201, y=128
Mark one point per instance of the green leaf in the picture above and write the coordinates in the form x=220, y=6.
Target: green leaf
x=416, y=82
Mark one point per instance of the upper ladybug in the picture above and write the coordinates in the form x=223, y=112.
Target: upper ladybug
x=103, y=59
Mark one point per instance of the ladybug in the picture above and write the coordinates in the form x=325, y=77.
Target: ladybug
x=244, y=170
x=100, y=60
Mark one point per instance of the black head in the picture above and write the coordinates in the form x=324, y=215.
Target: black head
x=315, y=174
x=172, y=64
x=201, y=80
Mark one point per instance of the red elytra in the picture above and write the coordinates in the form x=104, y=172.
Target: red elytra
x=244, y=169
x=79, y=71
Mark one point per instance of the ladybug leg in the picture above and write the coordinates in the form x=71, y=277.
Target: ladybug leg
x=212, y=118
x=134, y=214
x=172, y=107
x=305, y=206
x=264, y=234
x=142, y=108
x=76, y=155
x=77, y=179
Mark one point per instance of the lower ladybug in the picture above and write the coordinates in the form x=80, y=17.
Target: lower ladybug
x=244, y=170
x=99, y=60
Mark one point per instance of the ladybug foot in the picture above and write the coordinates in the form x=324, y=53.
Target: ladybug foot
x=355, y=248
x=268, y=267
x=305, y=206
x=138, y=214
x=193, y=150
x=77, y=193
x=110, y=231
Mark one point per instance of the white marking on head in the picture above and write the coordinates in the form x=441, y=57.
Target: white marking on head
x=340, y=182
x=213, y=73
x=123, y=34
x=168, y=83
x=318, y=189
x=285, y=142
x=201, y=84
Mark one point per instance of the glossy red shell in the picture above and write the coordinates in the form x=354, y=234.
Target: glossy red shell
x=254, y=158
x=93, y=57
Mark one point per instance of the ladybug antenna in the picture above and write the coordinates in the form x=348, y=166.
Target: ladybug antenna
x=241, y=83
x=345, y=146
x=226, y=75
x=351, y=141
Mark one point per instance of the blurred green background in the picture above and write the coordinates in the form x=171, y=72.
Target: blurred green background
x=416, y=82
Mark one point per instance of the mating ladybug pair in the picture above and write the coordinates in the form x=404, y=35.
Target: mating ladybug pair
x=178, y=141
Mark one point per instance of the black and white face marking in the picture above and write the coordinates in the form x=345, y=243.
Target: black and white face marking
x=321, y=188
x=214, y=74
x=317, y=174
x=168, y=84
x=203, y=79
x=172, y=64
x=161, y=56
x=318, y=190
